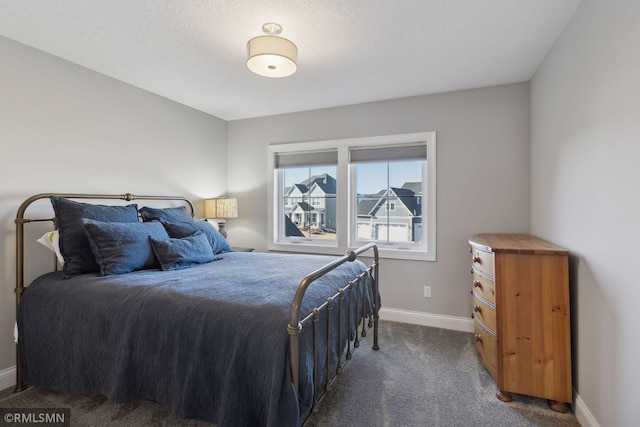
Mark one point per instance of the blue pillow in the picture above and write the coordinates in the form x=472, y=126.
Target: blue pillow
x=178, y=214
x=74, y=245
x=183, y=229
x=122, y=247
x=175, y=254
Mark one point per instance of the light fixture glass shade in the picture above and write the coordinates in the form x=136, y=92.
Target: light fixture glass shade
x=272, y=56
x=221, y=208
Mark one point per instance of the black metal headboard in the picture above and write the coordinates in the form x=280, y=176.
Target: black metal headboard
x=21, y=220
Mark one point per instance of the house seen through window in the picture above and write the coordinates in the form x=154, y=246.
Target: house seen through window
x=310, y=202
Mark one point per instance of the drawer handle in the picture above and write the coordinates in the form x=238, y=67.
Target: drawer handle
x=477, y=284
x=477, y=308
x=477, y=259
x=478, y=338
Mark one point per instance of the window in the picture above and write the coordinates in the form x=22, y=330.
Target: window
x=308, y=202
x=387, y=202
x=327, y=196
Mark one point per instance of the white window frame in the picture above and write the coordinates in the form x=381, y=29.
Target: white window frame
x=346, y=214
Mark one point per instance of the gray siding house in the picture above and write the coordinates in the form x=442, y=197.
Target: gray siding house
x=393, y=215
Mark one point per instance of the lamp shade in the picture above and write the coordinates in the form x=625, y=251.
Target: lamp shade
x=270, y=55
x=221, y=208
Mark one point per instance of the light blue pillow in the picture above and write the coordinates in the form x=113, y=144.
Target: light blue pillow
x=74, y=245
x=176, y=254
x=179, y=230
x=177, y=214
x=122, y=247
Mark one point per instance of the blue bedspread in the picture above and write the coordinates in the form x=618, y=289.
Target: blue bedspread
x=208, y=342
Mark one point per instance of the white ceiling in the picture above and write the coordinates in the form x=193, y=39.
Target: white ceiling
x=349, y=51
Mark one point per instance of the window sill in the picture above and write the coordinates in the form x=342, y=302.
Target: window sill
x=384, y=253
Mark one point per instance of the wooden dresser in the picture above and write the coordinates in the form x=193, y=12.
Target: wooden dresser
x=521, y=315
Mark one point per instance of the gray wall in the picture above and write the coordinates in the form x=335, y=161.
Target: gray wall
x=482, y=178
x=64, y=128
x=585, y=148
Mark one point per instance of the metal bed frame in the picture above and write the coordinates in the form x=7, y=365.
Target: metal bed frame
x=364, y=321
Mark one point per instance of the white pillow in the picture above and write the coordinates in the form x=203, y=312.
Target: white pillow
x=214, y=223
x=51, y=240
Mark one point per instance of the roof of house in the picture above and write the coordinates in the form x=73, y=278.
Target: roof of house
x=301, y=188
x=416, y=187
x=325, y=181
x=365, y=206
x=369, y=207
x=306, y=207
x=290, y=229
x=409, y=199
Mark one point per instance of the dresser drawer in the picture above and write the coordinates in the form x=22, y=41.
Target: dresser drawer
x=482, y=261
x=486, y=348
x=483, y=312
x=484, y=287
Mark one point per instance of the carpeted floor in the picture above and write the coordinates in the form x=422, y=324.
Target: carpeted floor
x=421, y=376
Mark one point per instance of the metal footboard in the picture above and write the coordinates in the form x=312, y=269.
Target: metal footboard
x=356, y=290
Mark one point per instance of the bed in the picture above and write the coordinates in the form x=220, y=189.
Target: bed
x=238, y=339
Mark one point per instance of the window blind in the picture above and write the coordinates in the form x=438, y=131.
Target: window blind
x=314, y=158
x=416, y=151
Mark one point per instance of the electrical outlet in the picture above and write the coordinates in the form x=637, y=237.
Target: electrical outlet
x=427, y=291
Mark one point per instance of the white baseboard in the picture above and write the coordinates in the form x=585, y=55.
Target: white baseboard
x=427, y=319
x=583, y=414
x=8, y=378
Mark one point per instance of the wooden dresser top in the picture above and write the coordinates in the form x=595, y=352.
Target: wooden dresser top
x=515, y=243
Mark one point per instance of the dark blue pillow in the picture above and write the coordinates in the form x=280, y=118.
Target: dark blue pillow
x=178, y=214
x=183, y=229
x=122, y=247
x=78, y=257
x=175, y=254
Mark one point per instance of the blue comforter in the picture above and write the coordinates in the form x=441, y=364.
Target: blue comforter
x=208, y=342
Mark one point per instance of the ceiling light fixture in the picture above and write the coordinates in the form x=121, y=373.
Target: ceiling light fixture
x=270, y=55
